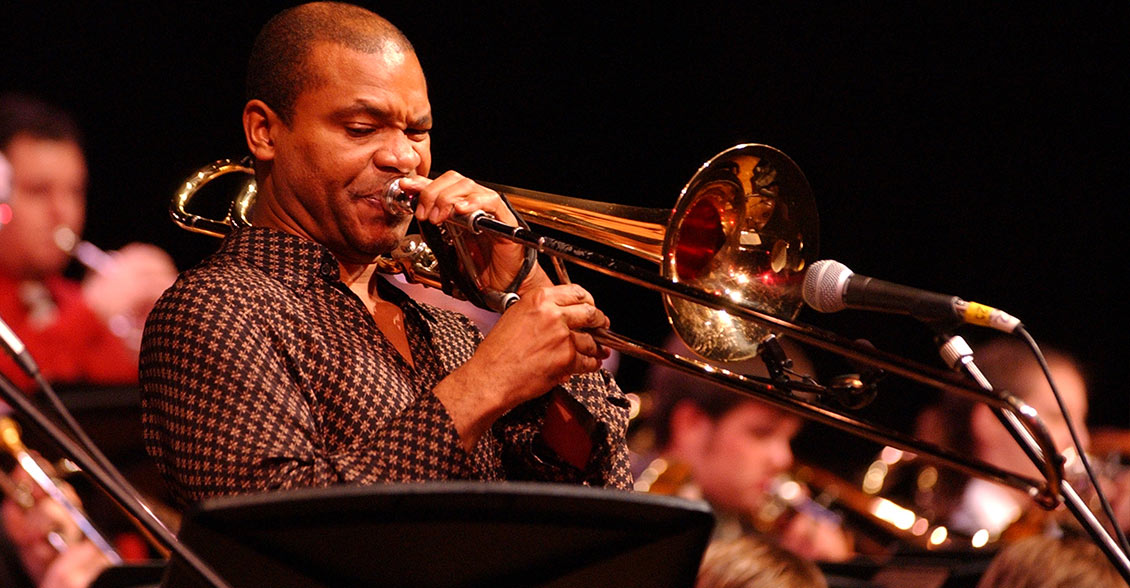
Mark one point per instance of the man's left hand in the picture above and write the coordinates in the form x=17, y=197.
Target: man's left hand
x=453, y=194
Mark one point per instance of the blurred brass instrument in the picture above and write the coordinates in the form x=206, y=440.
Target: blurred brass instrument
x=23, y=496
x=878, y=526
x=732, y=254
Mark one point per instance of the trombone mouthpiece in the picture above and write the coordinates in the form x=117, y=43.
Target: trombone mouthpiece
x=397, y=201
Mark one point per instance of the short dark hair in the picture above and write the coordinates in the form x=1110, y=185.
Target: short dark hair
x=278, y=70
x=21, y=114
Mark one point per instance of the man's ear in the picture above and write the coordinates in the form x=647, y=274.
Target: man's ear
x=260, y=123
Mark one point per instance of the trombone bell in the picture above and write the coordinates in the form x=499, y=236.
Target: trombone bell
x=744, y=227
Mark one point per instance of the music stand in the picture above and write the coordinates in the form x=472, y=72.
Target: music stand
x=449, y=534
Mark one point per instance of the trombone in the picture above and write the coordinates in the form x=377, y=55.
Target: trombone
x=13, y=445
x=732, y=255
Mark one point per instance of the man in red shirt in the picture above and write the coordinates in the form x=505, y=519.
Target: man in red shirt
x=76, y=332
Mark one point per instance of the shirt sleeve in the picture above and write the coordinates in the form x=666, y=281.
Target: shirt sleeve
x=526, y=457
x=224, y=414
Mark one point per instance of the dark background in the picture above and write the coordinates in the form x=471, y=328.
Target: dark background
x=973, y=151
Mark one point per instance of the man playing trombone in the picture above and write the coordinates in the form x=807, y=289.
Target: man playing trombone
x=284, y=361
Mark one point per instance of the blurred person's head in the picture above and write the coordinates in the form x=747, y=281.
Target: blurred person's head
x=1051, y=562
x=1010, y=365
x=749, y=562
x=43, y=146
x=733, y=445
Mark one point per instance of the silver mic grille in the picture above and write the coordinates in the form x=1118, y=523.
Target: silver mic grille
x=824, y=285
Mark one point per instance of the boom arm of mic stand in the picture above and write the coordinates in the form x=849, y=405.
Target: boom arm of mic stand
x=139, y=511
x=1050, y=462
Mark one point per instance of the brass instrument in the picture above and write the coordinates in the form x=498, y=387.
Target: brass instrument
x=732, y=255
x=22, y=496
x=745, y=227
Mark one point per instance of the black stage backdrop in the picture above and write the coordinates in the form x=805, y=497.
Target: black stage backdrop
x=974, y=151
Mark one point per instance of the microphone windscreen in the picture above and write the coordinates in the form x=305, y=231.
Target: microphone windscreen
x=824, y=285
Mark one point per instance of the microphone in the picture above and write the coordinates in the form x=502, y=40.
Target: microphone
x=16, y=349
x=829, y=286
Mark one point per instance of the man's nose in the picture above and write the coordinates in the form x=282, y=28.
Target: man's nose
x=398, y=154
x=782, y=456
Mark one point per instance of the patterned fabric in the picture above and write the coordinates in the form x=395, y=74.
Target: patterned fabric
x=261, y=370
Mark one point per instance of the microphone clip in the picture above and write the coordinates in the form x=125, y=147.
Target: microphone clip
x=856, y=390
x=777, y=363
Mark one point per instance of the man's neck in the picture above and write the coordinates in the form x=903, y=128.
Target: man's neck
x=357, y=275
x=388, y=316
x=268, y=214
x=359, y=279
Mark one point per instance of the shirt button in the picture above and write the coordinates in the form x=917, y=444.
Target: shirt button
x=328, y=269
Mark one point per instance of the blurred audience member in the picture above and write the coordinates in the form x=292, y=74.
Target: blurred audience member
x=77, y=333
x=81, y=333
x=729, y=449
x=749, y=562
x=1051, y=562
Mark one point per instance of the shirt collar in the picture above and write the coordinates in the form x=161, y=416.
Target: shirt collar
x=297, y=262
x=293, y=260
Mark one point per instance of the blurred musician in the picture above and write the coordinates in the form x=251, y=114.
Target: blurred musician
x=77, y=333
x=286, y=361
x=1051, y=562
x=726, y=448
x=5, y=188
x=748, y=562
x=977, y=508
x=40, y=546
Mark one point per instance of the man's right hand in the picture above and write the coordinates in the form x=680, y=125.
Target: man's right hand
x=123, y=292
x=538, y=343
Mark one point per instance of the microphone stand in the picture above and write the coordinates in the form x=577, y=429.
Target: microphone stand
x=123, y=496
x=959, y=356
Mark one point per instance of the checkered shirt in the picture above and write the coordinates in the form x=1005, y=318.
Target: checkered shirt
x=261, y=370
